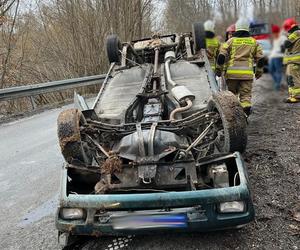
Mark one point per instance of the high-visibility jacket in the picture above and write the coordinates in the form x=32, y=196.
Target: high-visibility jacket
x=292, y=55
x=241, y=54
x=212, y=49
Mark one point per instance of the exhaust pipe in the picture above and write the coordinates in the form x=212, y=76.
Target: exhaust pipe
x=180, y=93
x=181, y=109
x=169, y=56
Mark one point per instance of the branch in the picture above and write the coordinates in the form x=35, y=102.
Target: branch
x=9, y=45
x=2, y=4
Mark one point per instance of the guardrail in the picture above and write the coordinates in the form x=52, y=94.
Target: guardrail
x=42, y=88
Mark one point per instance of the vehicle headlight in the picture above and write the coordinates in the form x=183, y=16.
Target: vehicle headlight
x=72, y=213
x=232, y=207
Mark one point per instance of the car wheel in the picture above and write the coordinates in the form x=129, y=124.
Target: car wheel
x=113, y=47
x=199, y=36
x=68, y=130
x=232, y=128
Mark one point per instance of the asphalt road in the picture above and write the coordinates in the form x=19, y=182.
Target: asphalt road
x=30, y=163
x=29, y=178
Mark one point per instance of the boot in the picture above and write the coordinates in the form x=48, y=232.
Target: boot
x=247, y=110
x=291, y=99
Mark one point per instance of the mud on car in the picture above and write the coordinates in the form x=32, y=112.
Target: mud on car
x=159, y=149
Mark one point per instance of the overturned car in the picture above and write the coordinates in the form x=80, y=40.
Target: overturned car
x=160, y=147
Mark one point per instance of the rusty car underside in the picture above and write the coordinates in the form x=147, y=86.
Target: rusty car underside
x=161, y=134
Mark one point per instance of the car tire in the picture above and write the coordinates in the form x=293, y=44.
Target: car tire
x=69, y=136
x=113, y=47
x=199, y=36
x=232, y=133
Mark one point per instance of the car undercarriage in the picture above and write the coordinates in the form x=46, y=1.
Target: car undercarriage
x=160, y=134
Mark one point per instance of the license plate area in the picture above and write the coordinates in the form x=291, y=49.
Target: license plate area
x=149, y=221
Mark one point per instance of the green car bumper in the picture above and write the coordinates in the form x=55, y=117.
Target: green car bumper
x=123, y=214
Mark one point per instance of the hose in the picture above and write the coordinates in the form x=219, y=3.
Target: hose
x=181, y=109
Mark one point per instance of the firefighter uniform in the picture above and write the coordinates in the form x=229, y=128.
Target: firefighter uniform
x=292, y=59
x=236, y=59
x=212, y=43
x=212, y=49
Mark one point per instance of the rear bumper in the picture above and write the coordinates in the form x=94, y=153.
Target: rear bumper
x=199, y=207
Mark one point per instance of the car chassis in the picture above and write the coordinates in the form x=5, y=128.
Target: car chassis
x=159, y=156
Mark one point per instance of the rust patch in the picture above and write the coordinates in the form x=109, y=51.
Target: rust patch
x=68, y=127
x=112, y=164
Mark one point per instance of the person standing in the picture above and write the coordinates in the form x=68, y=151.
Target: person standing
x=212, y=43
x=237, y=58
x=276, y=56
x=292, y=59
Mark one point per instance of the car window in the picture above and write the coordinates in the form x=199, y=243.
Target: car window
x=259, y=29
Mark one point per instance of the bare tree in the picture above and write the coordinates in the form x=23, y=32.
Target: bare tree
x=64, y=39
x=5, y=6
x=9, y=44
x=179, y=15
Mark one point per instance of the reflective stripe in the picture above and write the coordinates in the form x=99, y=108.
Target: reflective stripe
x=253, y=55
x=239, y=70
x=212, y=46
x=246, y=104
x=232, y=55
x=243, y=41
x=292, y=58
x=212, y=42
x=240, y=67
x=294, y=91
x=294, y=36
x=225, y=45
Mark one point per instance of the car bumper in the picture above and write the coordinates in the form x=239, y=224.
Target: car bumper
x=199, y=208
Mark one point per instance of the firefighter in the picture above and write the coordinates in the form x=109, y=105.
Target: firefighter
x=236, y=59
x=292, y=59
x=212, y=43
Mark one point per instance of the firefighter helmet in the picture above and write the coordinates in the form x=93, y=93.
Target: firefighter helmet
x=209, y=25
x=289, y=23
x=242, y=24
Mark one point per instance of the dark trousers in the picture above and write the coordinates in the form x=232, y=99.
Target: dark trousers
x=242, y=89
x=275, y=68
